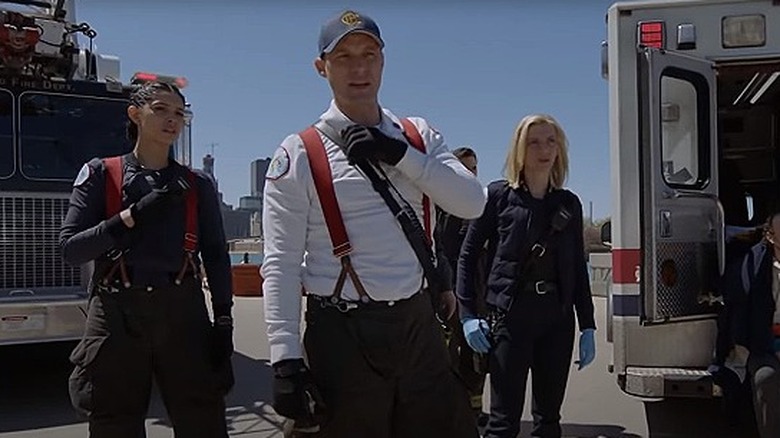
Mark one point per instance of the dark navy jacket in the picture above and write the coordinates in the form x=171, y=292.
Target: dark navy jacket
x=448, y=237
x=750, y=302
x=504, y=225
x=154, y=249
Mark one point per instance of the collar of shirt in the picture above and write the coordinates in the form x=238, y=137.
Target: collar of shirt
x=525, y=188
x=530, y=200
x=390, y=124
x=159, y=178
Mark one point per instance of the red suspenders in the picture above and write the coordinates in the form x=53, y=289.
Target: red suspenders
x=114, y=175
x=323, y=183
x=114, y=178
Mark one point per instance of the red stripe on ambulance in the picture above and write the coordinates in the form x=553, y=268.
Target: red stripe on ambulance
x=625, y=266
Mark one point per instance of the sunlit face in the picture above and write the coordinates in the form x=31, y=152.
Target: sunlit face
x=470, y=163
x=161, y=119
x=541, y=148
x=354, y=69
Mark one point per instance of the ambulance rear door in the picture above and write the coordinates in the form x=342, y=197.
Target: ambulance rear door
x=682, y=229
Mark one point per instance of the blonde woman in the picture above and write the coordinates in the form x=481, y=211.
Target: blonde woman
x=537, y=281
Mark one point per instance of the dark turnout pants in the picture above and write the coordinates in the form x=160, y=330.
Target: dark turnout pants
x=470, y=366
x=535, y=335
x=133, y=336
x=384, y=372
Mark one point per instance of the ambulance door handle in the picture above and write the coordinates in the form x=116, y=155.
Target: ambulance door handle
x=666, y=223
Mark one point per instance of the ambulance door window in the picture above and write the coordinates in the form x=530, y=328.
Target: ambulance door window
x=679, y=132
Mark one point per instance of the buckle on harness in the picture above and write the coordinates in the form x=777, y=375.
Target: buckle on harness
x=540, y=287
x=114, y=254
x=337, y=303
x=342, y=306
x=538, y=246
x=106, y=288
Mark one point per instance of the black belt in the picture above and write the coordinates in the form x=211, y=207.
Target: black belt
x=116, y=284
x=540, y=287
x=345, y=306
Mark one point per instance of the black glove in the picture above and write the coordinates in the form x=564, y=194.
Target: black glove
x=222, y=340
x=222, y=351
x=123, y=236
x=157, y=199
x=295, y=394
x=371, y=144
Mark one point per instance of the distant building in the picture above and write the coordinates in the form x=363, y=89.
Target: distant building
x=208, y=166
x=256, y=225
x=257, y=171
x=254, y=203
x=246, y=220
x=236, y=223
x=208, y=169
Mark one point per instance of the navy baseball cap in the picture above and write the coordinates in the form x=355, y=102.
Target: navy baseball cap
x=343, y=24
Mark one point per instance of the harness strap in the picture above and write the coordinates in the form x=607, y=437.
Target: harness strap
x=113, y=166
x=347, y=269
x=323, y=183
x=114, y=176
x=191, y=219
x=190, y=228
x=346, y=265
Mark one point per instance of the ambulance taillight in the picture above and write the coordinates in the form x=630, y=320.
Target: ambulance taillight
x=651, y=34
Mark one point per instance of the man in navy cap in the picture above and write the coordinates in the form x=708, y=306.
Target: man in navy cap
x=377, y=362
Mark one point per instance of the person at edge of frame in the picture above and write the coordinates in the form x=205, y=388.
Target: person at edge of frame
x=147, y=317
x=537, y=281
x=750, y=366
x=449, y=234
x=377, y=367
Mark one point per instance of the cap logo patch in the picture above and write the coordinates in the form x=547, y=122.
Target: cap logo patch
x=350, y=18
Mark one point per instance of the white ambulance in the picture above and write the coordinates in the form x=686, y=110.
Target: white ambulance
x=694, y=106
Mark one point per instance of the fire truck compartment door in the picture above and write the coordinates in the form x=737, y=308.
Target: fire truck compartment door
x=681, y=217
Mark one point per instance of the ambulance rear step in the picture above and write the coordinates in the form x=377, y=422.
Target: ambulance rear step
x=669, y=382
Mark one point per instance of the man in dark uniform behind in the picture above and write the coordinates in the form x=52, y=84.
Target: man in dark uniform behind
x=449, y=234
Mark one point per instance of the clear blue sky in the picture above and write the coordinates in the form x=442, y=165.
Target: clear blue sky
x=472, y=68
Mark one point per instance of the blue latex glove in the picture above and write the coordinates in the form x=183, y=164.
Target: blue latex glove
x=475, y=331
x=777, y=345
x=587, y=348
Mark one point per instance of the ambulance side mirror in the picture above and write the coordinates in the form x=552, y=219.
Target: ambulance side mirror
x=606, y=233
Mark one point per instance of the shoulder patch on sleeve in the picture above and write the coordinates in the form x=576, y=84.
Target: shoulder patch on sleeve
x=83, y=175
x=280, y=164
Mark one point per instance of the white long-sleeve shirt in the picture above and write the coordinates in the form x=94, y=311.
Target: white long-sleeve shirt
x=297, y=246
